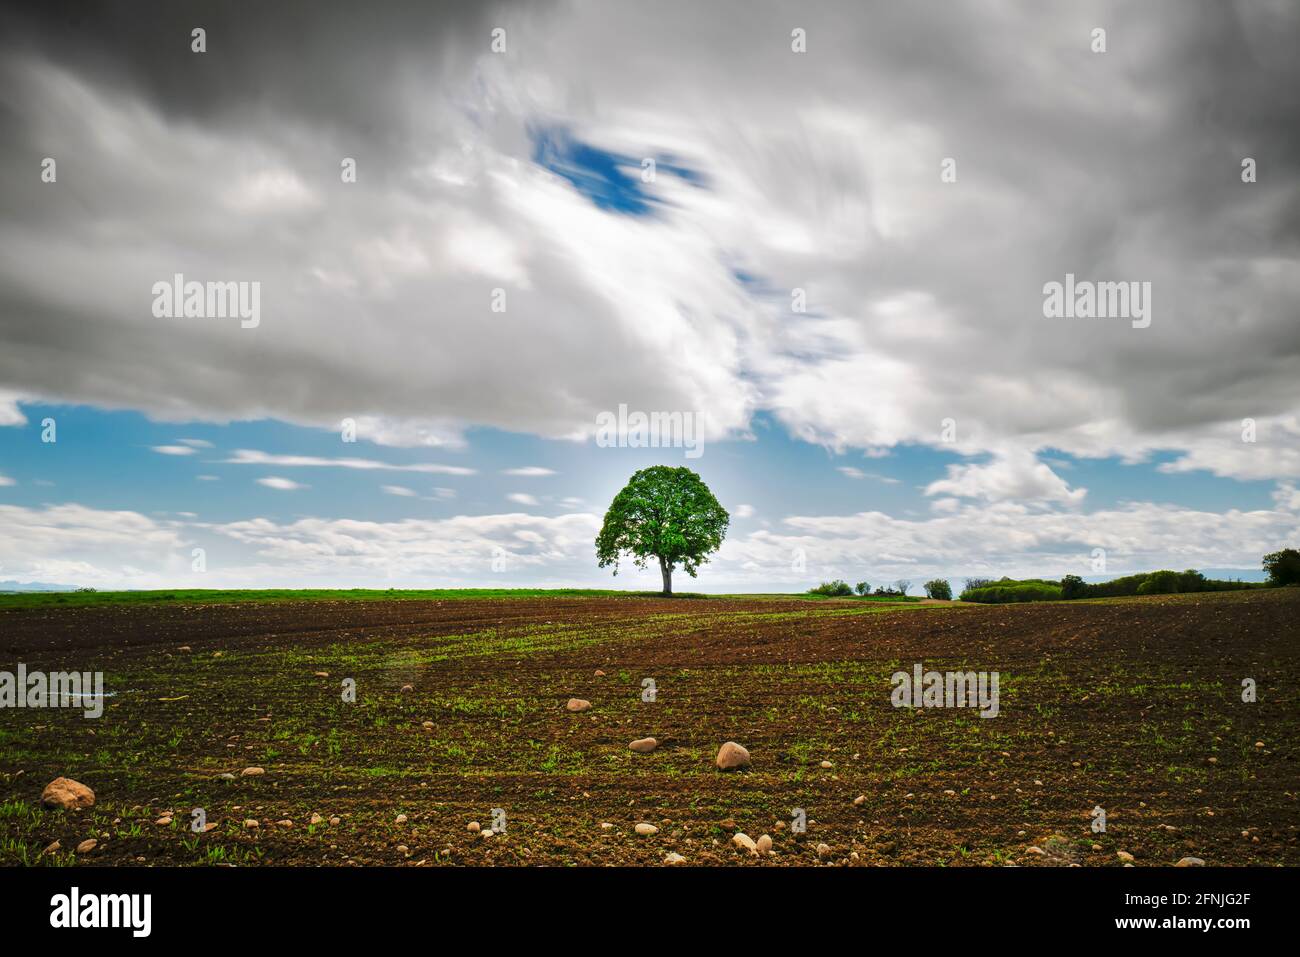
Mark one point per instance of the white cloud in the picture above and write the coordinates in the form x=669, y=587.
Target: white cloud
x=1272, y=452
x=529, y=471
x=10, y=414
x=270, y=191
x=6, y=480
x=400, y=490
x=1287, y=496
x=1012, y=539
x=522, y=498
x=196, y=443
x=1015, y=476
x=282, y=484
x=253, y=457
x=858, y=474
x=421, y=550
x=743, y=511
x=73, y=544
x=410, y=432
x=173, y=450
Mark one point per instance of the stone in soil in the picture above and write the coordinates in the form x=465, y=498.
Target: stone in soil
x=65, y=794
x=732, y=755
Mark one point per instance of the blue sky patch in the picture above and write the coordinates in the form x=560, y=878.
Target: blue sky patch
x=612, y=181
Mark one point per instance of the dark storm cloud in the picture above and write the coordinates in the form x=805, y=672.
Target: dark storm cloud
x=822, y=174
x=324, y=63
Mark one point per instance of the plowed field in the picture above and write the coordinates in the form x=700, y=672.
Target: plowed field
x=1133, y=706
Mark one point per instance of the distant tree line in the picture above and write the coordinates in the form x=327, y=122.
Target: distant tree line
x=1283, y=568
x=938, y=588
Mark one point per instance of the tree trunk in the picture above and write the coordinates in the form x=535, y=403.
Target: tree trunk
x=667, y=571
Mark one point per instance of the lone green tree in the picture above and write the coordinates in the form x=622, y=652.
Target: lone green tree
x=664, y=513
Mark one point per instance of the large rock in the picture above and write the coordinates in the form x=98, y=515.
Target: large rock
x=743, y=840
x=731, y=755
x=646, y=830
x=67, y=795
x=644, y=745
x=577, y=704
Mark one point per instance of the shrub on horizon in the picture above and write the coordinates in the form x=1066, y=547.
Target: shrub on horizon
x=833, y=589
x=938, y=588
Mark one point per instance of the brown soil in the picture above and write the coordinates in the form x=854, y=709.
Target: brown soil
x=1134, y=706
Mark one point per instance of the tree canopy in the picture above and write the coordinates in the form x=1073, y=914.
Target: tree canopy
x=664, y=513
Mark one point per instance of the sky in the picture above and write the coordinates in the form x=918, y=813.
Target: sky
x=819, y=235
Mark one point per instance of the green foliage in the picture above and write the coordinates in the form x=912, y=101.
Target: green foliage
x=835, y=589
x=1160, y=583
x=1163, y=582
x=862, y=588
x=1283, y=567
x=664, y=513
x=1072, y=586
x=938, y=588
x=1013, y=591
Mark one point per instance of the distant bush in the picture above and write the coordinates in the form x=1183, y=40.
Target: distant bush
x=1283, y=567
x=972, y=583
x=1072, y=586
x=835, y=589
x=1013, y=591
x=1160, y=583
x=938, y=588
x=862, y=588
